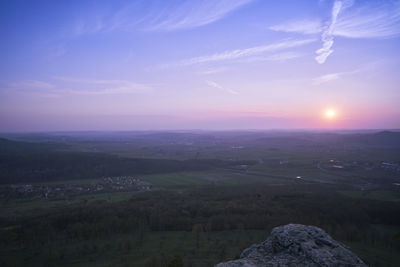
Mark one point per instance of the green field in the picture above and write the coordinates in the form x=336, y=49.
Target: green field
x=23, y=207
x=139, y=250
x=158, y=248
x=374, y=195
x=211, y=196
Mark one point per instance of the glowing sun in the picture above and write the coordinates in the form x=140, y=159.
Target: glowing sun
x=330, y=113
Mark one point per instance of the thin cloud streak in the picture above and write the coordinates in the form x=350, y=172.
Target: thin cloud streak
x=371, y=21
x=111, y=86
x=213, y=71
x=127, y=18
x=241, y=53
x=216, y=85
x=375, y=20
x=275, y=57
x=192, y=14
x=142, y=15
x=327, y=37
x=336, y=76
x=305, y=26
x=326, y=78
x=100, y=87
x=32, y=84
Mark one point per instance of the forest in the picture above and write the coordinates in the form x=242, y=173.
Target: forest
x=201, y=209
x=41, y=164
x=102, y=230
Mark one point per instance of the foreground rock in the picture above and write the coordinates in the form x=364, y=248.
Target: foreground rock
x=296, y=245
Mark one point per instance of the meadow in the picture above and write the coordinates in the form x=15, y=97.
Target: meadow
x=210, y=196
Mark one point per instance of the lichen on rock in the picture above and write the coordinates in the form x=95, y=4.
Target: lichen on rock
x=298, y=246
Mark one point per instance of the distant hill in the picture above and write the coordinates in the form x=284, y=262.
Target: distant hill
x=386, y=138
x=380, y=139
x=35, y=162
x=10, y=147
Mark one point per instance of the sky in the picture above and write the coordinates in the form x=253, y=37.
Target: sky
x=199, y=64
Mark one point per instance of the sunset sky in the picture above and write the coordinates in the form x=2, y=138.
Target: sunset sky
x=199, y=64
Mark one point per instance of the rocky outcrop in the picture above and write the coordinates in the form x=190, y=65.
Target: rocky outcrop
x=296, y=245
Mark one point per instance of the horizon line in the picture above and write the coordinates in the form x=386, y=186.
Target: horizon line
x=206, y=130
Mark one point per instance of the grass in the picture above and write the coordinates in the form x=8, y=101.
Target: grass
x=222, y=177
x=382, y=195
x=23, y=207
x=19, y=207
x=388, y=229
x=375, y=255
x=132, y=250
x=181, y=178
x=136, y=250
x=110, y=197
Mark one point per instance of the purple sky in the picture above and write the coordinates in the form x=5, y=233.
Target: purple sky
x=227, y=64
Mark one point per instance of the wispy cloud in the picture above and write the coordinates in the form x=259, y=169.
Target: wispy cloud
x=126, y=18
x=152, y=16
x=326, y=78
x=193, y=14
x=217, y=86
x=336, y=76
x=327, y=34
x=67, y=85
x=380, y=19
x=241, y=53
x=56, y=51
x=103, y=87
x=32, y=84
x=275, y=57
x=84, y=27
x=212, y=71
x=373, y=19
x=305, y=26
x=33, y=87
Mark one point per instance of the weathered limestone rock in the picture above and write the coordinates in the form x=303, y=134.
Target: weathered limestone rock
x=296, y=245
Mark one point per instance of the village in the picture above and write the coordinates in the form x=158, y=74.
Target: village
x=334, y=164
x=54, y=191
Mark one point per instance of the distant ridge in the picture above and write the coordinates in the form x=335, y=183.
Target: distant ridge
x=379, y=139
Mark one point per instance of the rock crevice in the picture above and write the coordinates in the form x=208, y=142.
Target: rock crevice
x=296, y=245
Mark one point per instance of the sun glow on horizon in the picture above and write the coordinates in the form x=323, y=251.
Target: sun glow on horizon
x=207, y=65
x=330, y=113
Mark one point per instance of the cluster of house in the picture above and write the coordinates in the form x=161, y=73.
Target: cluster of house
x=367, y=166
x=126, y=182
x=390, y=166
x=120, y=183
